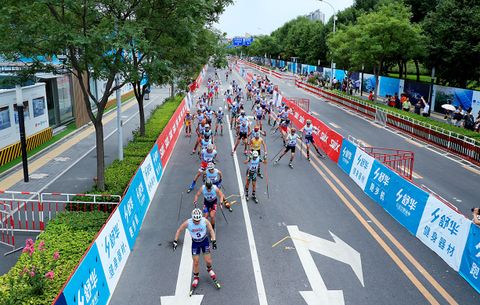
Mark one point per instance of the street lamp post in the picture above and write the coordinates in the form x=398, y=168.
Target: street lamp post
x=21, y=124
x=334, y=30
x=119, y=118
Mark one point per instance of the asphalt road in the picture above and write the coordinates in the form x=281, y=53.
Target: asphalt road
x=358, y=253
x=443, y=173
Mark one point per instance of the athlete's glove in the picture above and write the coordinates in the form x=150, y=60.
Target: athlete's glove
x=175, y=245
x=214, y=244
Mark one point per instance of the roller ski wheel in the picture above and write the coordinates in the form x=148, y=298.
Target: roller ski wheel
x=246, y=197
x=255, y=199
x=291, y=165
x=189, y=190
x=260, y=175
x=216, y=283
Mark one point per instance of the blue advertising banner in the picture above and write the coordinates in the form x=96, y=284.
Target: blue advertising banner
x=369, y=82
x=378, y=183
x=444, y=231
x=247, y=41
x=388, y=86
x=405, y=202
x=470, y=266
x=156, y=162
x=88, y=285
x=347, y=153
x=340, y=75
x=133, y=207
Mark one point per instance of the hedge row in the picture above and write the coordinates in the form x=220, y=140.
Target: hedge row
x=46, y=264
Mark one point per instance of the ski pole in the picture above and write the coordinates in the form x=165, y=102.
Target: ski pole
x=221, y=210
x=278, y=153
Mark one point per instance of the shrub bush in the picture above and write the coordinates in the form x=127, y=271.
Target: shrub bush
x=64, y=241
x=38, y=276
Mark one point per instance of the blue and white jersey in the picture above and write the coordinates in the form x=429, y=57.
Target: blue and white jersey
x=308, y=130
x=214, y=177
x=220, y=115
x=254, y=134
x=243, y=128
x=209, y=114
x=201, y=129
x=234, y=107
x=198, y=232
x=208, y=157
x=200, y=117
x=209, y=195
x=253, y=164
x=292, y=139
x=243, y=119
x=206, y=133
x=259, y=111
x=205, y=143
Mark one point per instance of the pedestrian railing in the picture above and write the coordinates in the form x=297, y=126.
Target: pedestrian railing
x=458, y=144
x=28, y=212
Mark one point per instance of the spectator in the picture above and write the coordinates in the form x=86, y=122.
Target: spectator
x=418, y=107
x=398, y=104
x=426, y=108
x=335, y=82
x=469, y=120
x=476, y=216
x=406, y=104
x=370, y=96
x=458, y=115
x=477, y=123
x=357, y=86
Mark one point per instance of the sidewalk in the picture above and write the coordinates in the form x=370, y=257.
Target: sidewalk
x=73, y=159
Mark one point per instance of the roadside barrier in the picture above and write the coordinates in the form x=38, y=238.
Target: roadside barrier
x=460, y=145
x=435, y=222
x=98, y=272
x=29, y=212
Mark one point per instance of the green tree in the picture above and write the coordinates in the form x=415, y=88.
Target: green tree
x=93, y=35
x=454, y=41
x=378, y=37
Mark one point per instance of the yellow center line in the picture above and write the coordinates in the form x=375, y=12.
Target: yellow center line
x=17, y=176
x=430, y=298
x=471, y=169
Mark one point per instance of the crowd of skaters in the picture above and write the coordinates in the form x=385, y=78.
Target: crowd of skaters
x=205, y=123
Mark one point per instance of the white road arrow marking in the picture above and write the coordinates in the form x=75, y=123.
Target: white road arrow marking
x=182, y=290
x=338, y=250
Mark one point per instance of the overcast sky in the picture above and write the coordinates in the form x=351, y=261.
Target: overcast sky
x=264, y=16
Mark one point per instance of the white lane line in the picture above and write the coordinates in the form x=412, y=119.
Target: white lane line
x=262, y=296
x=334, y=125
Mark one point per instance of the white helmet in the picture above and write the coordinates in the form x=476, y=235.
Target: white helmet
x=220, y=109
x=255, y=154
x=207, y=126
x=196, y=214
x=210, y=147
x=210, y=165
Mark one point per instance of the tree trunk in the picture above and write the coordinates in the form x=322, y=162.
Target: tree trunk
x=172, y=92
x=417, y=68
x=376, y=71
x=400, y=69
x=139, y=95
x=141, y=112
x=100, y=149
x=405, y=70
